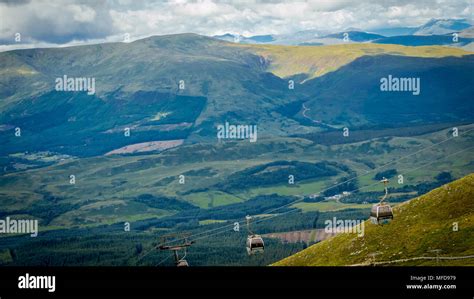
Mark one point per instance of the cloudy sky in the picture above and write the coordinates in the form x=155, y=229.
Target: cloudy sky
x=64, y=22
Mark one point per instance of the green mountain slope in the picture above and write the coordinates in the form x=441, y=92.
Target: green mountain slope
x=420, y=226
x=135, y=83
x=352, y=95
x=137, y=87
x=315, y=61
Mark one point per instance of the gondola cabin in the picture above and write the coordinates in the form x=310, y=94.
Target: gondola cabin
x=255, y=244
x=182, y=263
x=381, y=214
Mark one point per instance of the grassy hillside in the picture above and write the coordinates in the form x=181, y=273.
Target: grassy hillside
x=420, y=226
x=137, y=88
x=356, y=86
x=287, y=61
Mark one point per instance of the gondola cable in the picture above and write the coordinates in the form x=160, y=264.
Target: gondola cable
x=361, y=188
x=205, y=233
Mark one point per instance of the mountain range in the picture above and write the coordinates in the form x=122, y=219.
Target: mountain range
x=137, y=87
x=434, y=32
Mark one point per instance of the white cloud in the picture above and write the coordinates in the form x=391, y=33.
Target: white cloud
x=61, y=22
x=82, y=13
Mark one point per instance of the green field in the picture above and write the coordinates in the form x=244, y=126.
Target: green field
x=211, y=199
x=328, y=206
x=300, y=188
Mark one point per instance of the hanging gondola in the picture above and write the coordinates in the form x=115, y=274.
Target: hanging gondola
x=182, y=263
x=381, y=212
x=176, y=248
x=255, y=242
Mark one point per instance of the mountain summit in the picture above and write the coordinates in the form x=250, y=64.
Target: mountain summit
x=442, y=26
